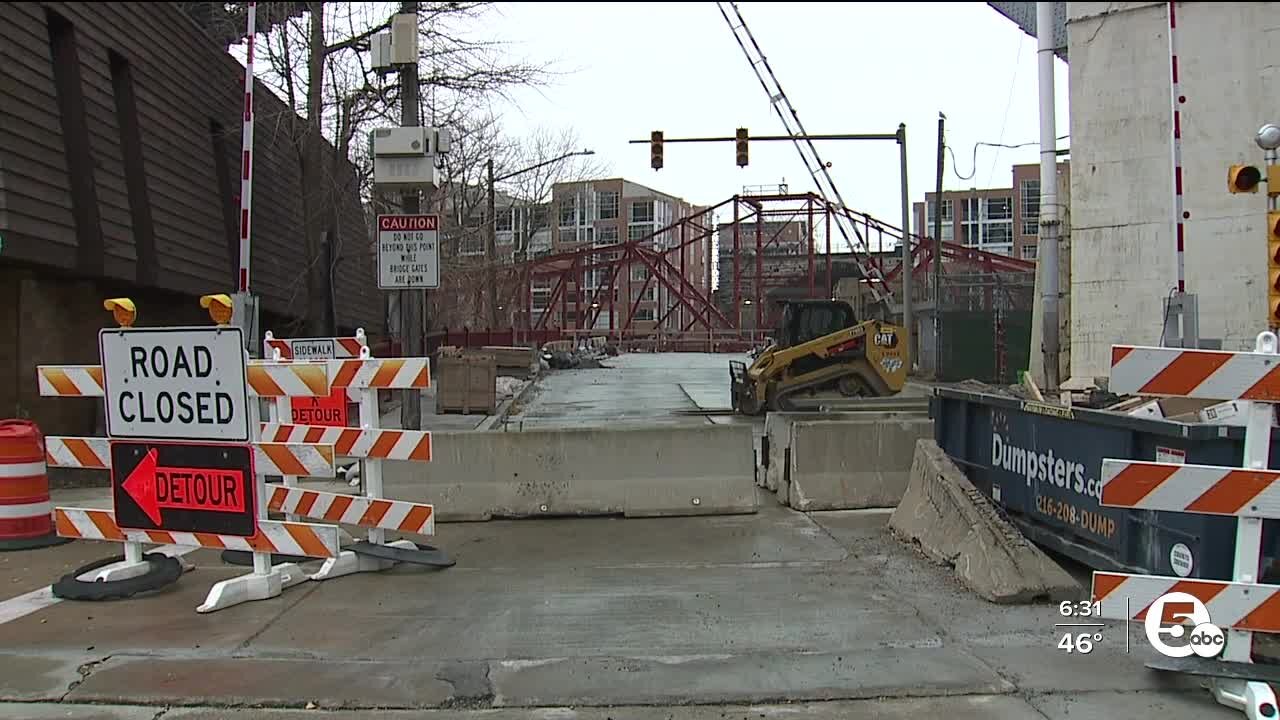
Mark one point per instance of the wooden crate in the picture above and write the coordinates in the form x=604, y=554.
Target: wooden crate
x=521, y=358
x=466, y=384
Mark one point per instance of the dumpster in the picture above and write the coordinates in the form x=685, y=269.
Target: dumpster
x=1042, y=464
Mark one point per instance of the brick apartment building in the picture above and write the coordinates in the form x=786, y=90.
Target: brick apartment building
x=1004, y=221
x=592, y=214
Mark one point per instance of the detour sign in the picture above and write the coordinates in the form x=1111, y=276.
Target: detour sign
x=328, y=411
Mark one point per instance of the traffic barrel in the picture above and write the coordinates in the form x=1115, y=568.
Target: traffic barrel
x=26, y=511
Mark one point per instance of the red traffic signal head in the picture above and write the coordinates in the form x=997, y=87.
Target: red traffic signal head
x=1243, y=179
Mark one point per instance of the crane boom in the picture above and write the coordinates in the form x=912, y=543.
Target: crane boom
x=808, y=152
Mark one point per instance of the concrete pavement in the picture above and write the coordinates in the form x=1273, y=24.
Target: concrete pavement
x=641, y=388
x=752, y=613
x=770, y=615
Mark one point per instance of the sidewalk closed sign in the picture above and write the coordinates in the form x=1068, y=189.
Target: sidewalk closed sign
x=175, y=383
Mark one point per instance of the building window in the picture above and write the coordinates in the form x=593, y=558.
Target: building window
x=568, y=212
x=947, y=211
x=999, y=209
x=639, y=273
x=972, y=209
x=997, y=233
x=607, y=234
x=970, y=233
x=537, y=218
x=1030, y=192
x=638, y=232
x=568, y=235
x=502, y=220
x=1029, y=251
x=642, y=212
x=644, y=315
x=607, y=202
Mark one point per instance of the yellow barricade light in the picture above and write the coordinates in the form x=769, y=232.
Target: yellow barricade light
x=220, y=308
x=123, y=310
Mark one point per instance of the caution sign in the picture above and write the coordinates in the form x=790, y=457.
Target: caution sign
x=175, y=383
x=408, y=252
x=197, y=488
x=328, y=411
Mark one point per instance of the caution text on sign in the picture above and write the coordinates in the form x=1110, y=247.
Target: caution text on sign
x=175, y=383
x=408, y=251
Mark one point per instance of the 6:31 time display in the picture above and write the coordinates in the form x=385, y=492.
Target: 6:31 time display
x=1080, y=608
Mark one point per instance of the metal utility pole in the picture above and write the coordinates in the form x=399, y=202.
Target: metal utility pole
x=907, y=327
x=937, y=252
x=1048, y=194
x=491, y=251
x=411, y=304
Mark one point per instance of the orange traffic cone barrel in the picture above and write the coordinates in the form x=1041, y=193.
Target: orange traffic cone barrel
x=26, y=512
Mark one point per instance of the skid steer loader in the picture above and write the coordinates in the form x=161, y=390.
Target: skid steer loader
x=821, y=348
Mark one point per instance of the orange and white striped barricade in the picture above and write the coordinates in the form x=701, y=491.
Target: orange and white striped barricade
x=234, y=377
x=372, y=445
x=334, y=407
x=1251, y=493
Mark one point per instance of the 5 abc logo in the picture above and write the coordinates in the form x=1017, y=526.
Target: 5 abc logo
x=1167, y=618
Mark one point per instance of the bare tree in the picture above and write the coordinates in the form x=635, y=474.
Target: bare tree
x=316, y=64
x=537, y=155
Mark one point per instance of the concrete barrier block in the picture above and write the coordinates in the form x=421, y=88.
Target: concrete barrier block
x=777, y=429
x=643, y=472
x=944, y=515
x=854, y=464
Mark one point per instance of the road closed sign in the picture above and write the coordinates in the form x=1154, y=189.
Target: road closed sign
x=175, y=383
x=408, y=252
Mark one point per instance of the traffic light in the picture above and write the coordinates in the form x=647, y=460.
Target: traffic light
x=1273, y=268
x=741, y=142
x=655, y=150
x=1243, y=179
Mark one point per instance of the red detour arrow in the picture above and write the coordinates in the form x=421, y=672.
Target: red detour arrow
x=154, y=487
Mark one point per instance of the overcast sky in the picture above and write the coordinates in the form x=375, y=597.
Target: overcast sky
x=631, y=68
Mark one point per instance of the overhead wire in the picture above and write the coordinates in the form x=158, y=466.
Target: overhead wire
x=1008, y=105
x=955, y=168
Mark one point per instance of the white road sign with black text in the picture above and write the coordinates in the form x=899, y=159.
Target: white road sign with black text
x=313, y=349
x=182, y=383
x=408, y=252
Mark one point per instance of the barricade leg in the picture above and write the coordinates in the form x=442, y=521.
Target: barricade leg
x=132, y=566
x=282, y=412
x=265, y=581
x=348, y=562
x=1251, y=696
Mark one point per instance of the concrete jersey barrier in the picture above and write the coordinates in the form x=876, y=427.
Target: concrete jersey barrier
x=851, y=464
x=776, y=455
x=953, y=523
x=645, y=472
